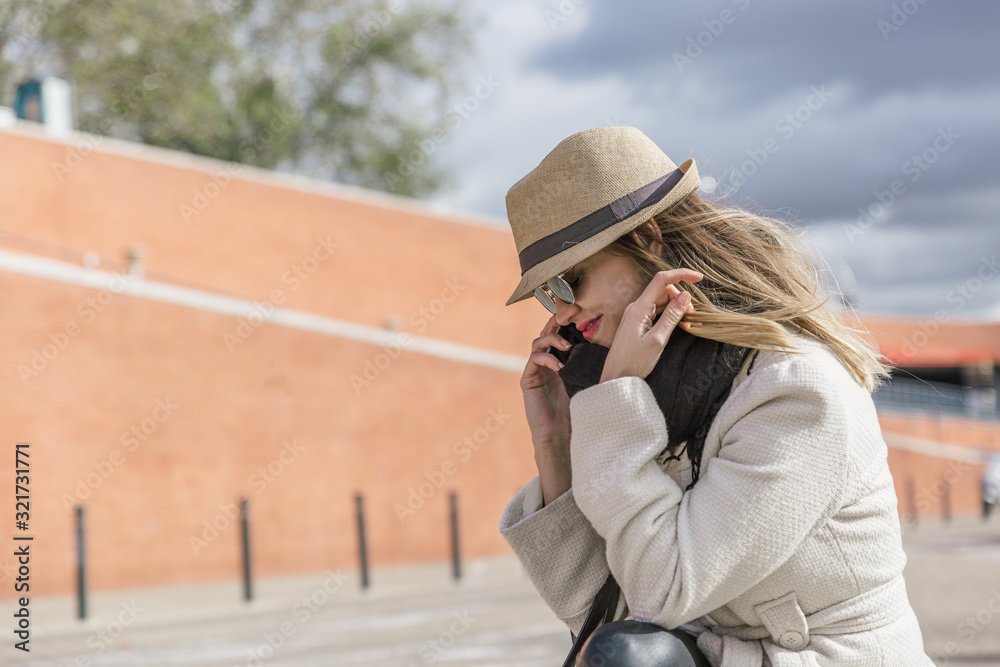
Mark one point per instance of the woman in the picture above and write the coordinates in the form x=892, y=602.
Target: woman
x=724, y=461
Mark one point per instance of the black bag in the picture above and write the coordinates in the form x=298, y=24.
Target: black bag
x=601, y=612
x=645, y=644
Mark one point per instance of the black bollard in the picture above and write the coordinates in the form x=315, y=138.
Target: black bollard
x=456, y=568
x=361, y=540
x=245, y=541
x=81, y=569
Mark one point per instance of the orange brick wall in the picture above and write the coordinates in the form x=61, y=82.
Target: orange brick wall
x=926, y=485
x=236, y=408
x=233, y=413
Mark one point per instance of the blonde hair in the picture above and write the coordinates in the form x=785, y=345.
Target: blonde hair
x=755, y=281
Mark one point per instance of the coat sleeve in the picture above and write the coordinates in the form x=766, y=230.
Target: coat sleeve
x=560, y=551
x=779, y=475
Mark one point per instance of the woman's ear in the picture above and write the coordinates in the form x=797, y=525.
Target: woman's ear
x=656, y=245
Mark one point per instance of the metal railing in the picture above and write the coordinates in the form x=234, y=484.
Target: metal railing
x=902, y=394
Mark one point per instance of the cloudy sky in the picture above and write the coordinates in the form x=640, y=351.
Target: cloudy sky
x=856, y=97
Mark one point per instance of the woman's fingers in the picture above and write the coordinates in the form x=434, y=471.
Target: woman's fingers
x=549, y=338
x=544, y=359
x=539, y=355
x=672, y=314
x=687, y=325
x=660, y=290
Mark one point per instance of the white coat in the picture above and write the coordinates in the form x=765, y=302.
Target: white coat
x=786, y=552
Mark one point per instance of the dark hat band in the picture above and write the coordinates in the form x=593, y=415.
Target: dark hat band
x=598, y=221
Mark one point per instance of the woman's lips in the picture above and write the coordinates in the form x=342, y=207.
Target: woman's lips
x=594, y=323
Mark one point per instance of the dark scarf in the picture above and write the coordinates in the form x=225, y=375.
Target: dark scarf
x=690, y=382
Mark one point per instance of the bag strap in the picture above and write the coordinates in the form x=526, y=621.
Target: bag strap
x=602, y=611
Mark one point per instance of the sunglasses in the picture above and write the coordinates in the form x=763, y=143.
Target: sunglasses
x=553, y=288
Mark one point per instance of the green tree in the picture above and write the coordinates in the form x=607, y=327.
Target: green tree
x=347, y=90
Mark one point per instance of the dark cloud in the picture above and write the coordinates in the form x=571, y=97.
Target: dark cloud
x=770, y=52
x=771, y=47
x=823, y=173
x=903, y=270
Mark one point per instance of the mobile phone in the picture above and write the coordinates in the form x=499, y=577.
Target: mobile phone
x=570, y=333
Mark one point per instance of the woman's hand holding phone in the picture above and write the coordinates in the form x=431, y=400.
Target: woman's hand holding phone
x=546, y=406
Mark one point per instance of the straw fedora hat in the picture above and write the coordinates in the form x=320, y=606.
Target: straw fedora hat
x=594, y=187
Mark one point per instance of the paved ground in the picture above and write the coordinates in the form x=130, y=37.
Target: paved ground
x=953, y=580
x=416, y=616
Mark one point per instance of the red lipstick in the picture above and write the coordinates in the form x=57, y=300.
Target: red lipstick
x=589, y=327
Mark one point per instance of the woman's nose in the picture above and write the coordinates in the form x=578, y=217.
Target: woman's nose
x=565, y=311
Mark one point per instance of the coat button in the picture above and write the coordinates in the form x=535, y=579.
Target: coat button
x=790, y=639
